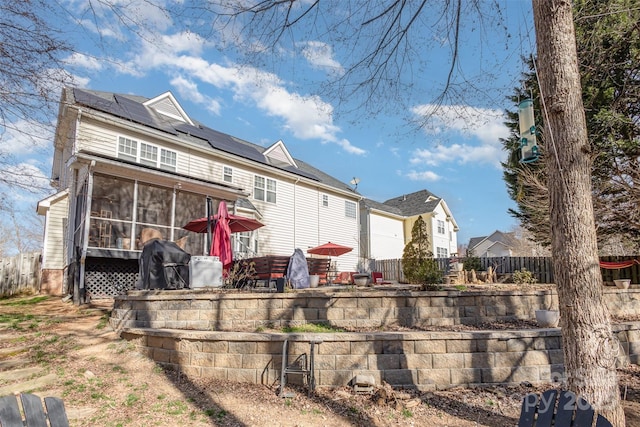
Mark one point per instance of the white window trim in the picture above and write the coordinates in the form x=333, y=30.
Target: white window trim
x=230, y=174
x=266, y=189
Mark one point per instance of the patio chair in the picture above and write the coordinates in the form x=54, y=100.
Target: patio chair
x=570, y=411
x=377, y=278
x=34, y=412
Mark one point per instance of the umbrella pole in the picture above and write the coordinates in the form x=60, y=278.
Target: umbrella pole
x=209, y=228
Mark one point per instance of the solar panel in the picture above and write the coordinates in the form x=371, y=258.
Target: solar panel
x=130, y=109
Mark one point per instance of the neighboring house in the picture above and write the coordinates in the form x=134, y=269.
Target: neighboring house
x=124, y=164
x=498, y=244
x=386, y=227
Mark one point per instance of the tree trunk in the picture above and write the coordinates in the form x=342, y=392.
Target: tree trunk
x=589, y=345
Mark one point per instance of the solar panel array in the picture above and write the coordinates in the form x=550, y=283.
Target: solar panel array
x=130, y=109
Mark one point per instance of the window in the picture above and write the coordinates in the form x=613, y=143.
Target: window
x=127, y=149
x=349, y=209
x=168, y=160
x=441, y=253
x=440, y=227
x=271, y=191
x=147, y=154
x=227, y=174
x=325, y=200
x=264, y=189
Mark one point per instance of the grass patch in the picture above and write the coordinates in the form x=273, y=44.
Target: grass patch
x=131, y=400
x=104, y=321
x=311, y=327
x=25, y=301
x=176, y=407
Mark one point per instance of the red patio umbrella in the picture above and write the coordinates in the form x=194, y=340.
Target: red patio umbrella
x=330, y=249
x=237, y=224
x=221, y=245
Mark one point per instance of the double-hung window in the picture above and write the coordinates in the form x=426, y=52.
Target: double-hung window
x=148, y=154
x=227, y=174
x=264, y=189
x=168, y=160
x=441, y=253
x=440, y=227
x=128, y=149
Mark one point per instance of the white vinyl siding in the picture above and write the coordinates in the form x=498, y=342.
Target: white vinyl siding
x=386, y=237
x=54, y=255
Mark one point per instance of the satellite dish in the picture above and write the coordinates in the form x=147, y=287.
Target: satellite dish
x=354, y=182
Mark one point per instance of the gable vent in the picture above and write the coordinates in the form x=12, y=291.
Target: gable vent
x=279, y=154
x=168, y=108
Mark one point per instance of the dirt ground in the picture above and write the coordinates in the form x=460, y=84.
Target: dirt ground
x=74, y=354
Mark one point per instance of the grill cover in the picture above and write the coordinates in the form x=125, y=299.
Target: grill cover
x=163, y=265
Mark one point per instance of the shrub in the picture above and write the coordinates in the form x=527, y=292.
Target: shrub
x=523, y=276
x=418, y=264
x=471, y=262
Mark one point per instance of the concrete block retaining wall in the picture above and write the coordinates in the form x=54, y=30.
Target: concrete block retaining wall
x=217, y=311
x=422, y=360
x=197, y=332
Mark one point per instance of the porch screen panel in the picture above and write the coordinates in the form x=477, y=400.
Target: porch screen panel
x=154, y=210
x=190, y=206
x=111, y=212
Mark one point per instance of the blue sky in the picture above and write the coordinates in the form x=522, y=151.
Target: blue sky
x=455, y=156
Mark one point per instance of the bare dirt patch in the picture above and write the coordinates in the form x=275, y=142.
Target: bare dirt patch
x=105, y=382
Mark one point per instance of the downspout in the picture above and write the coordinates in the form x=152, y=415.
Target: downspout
x=80, y=298
x=295, y=186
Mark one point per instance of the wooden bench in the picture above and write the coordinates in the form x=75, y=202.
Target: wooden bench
x=319, y=267
x=559, y=409
x=269, y=268
x=34, y=413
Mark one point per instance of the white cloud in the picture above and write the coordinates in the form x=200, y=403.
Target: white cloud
x=306, y=117
x=84, y=61
x=320, y=55
x=189, y=90
x=26, y=138
x=481, y=127
x=25, y=176
x=423, y=176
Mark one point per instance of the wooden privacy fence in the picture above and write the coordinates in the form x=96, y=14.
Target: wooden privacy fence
x=20, y=274
x=540, y=267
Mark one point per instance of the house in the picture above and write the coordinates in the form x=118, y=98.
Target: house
x=497, y=244
x=124, y=165
x=386, y=227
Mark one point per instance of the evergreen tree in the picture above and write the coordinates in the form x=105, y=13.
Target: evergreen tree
x=418, y=264
x=608, y=40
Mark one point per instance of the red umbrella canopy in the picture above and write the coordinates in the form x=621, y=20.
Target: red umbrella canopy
x=330, y=249
x=237, y=224
x=221, y=246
